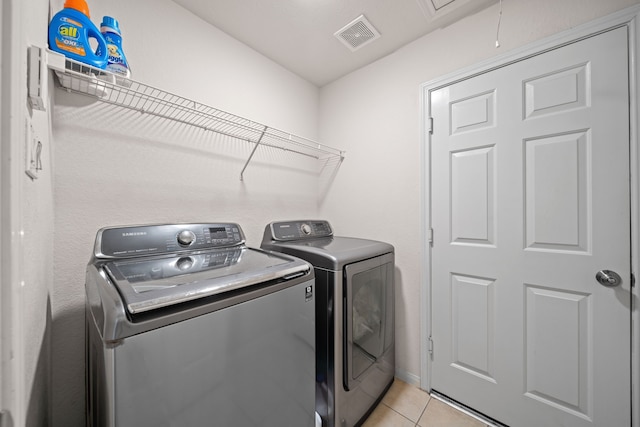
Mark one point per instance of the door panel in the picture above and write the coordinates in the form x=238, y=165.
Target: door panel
x=530, y=199
x=473, y=113
x=472, y=333
x=557, y=369
x=557, y=178
x=557, y=91
x=472, y=196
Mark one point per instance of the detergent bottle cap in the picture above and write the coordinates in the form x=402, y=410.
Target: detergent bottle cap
x=79, y=5
x=109, y=23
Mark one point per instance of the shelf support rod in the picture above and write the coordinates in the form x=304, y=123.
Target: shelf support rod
x=255, y=147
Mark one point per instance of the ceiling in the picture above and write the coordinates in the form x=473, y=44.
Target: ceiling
x=299, y=34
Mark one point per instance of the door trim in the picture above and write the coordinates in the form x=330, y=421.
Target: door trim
x=628, y=17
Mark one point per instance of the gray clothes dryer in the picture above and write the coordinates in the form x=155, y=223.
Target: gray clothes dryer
x=186, y=326
x=355, y=360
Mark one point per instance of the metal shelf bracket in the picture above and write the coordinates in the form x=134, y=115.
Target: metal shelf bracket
x=255, y=147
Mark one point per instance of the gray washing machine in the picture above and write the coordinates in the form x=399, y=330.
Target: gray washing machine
x=188, y=327
x=355, y=360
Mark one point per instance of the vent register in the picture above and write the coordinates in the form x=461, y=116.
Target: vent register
x=357, y=33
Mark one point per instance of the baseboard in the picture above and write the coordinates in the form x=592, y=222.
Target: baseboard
x=408, y=377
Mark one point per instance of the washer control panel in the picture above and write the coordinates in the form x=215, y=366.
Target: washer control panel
x=298, y=230
x=120, y=242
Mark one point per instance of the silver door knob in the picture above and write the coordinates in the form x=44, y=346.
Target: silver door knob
x=608, y=278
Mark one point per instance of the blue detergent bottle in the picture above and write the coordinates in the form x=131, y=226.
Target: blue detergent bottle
x=116, y=61
x=70, y=31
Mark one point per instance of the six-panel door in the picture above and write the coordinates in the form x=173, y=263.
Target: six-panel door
x=530, y=199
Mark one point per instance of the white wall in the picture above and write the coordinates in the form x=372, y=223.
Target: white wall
x=27, y=225
x=374, y=114
x=116, y=167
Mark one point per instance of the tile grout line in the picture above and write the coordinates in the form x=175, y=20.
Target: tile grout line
x=415, y=423
x=423, y=410
x=402, y=415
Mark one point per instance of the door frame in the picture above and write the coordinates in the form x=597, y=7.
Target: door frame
x=629, y=17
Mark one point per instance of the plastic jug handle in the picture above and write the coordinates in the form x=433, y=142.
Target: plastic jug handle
x=102, y=45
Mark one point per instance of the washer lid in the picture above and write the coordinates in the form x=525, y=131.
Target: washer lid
x=149, y=283
x=332, y=253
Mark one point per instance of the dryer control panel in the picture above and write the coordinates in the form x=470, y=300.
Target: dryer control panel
x=121, y=242
x=299, y=230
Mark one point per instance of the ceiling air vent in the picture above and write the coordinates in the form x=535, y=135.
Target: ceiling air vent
x=357, y=33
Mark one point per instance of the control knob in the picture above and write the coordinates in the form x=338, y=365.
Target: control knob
x=184, y=263
x=306, y=229
x=186, y=237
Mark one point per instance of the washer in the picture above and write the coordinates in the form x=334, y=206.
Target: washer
x=187, y=326
x=355, y=360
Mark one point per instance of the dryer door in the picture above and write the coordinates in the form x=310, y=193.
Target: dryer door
x=369, y=313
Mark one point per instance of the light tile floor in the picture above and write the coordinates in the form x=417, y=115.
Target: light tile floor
x=407, y=406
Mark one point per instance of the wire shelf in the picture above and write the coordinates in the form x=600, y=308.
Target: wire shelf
x=113, y=89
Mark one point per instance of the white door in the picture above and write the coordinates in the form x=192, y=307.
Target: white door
x=530, y=199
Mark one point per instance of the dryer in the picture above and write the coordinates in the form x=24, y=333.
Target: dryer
x=355, y=360
x=187, y=326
